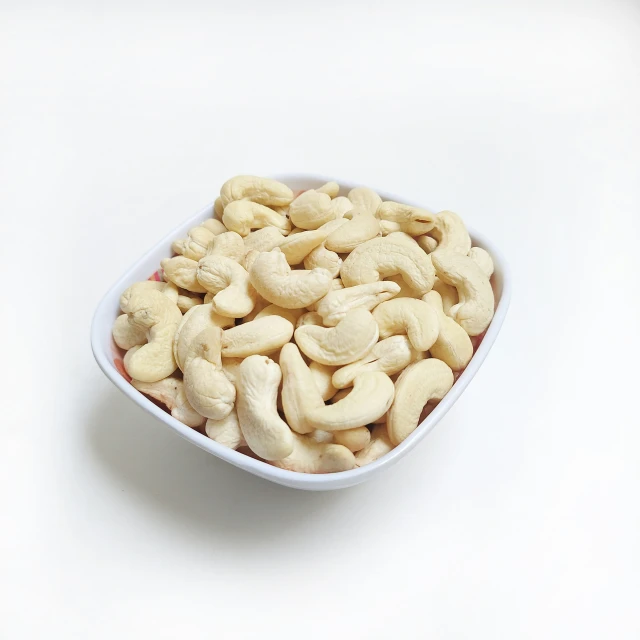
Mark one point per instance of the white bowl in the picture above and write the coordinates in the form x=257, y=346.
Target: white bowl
x=105, y=352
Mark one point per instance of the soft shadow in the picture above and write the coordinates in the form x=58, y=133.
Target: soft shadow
x=192, y=486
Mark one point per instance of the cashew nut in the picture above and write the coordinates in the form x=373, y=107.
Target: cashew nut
x=322, y=375
x=453, y=346
x=342, y=206
x=448, y=294
x=365, y=199
x=208, y=390
x=427, y=243
x=229, y=282
x=265, y=191
x=336, y=304
x=332, y=189
x=451, y=233
x=351, y=339
x=299, y=245
x=242, y=216
x=226, y=431
x=170, y=391
x=379, y=446
x=414, y=318
x=381, y=257
x=194, y=246
x=312, y=208
x=292, y=315
x=231, y=368
x=218, y=209
x=363, y=226
x=274, y=280
x=187, y=300
x=354, y=439
x=311, y=317
x=127, y=335
x=182, y=272
x=482, y=259
x=411, y=220
x=229, y=244
x=265, y=432
x=263, y=239
x=475, y=309
x=336, y=285
x=262, y=336
x=419, y=383
x=310, y=456
x=322, y=258
x=405, y=290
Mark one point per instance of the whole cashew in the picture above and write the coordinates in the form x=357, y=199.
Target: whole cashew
x=332, y=189
x=311, y=209
x=427, y=243
x=127, y=335
x=482, y=259
x=342, y=206
x=274, y=280
x=153, y=312
x=263, y=239
x=414, y=318
x=451, y=233
x=266, y=434
x=187, y=300
x=192, y=323
x=292, y=315
x=229, y=244
x=381, y=257
x=229, y=282
x=262, y=337
x=182, y=272
x=270, y=193
x=322, y=375
x=194, y=246
x=448, y=294
x=170, y=391
x=214, y=225
x=475, y=309
x=226, y=431
x=336, y=285
x=453, y=346
x=310, y=456
x=208, y=390
x=411, y=220
x=419, y=383
x=299, y=245
x=379, y=446
x=242, y=216
x=322, y=258
x=336, y=304
x=390, y=356
x=363, y=226
x=354, y=439
x=351, y=339
x=365, y=199
x=311, y=317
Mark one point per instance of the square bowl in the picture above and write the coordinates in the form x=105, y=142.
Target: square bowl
x=109, y=359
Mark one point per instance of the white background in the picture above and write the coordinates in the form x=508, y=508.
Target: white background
x=519, y=516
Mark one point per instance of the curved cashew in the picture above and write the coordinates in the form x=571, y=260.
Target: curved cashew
x=451, y=233
x=322, y=375
x=390, y=356
x=362, y=227
x=414, y=318
x=342, y=206
x=229, y=282
x=427, y=243
x=351, y=339
x=243, y=215
x=182, y=272
x=214, y=225
x=336, y=304
x=322, y=258
x=310, y=456
x=381, y=257
x=187, y=300
x=266, y=434
x=475, y=309
x=263, y=239
x=354, y=439
x=365, y=199
x=292, y=315
x=170, y=391
x=226, y=431
x=229, y=244
x=167, y=288
x=482, y=259
x=311, y=317
x=332, y=189
x=405, y=290
x=312, y=208
x=453, y=346
x=270, y=193
x=411, y=220
x=127, y=335
x=262, y=337
x=153, y=312
x=419, y=383
x=218, y=209
x=336, y=285
x=379, y=446
x=194, y=246
x=448, y=294
x=274, y=280
x=193, y=322
x=208, y=390
x=299, y=245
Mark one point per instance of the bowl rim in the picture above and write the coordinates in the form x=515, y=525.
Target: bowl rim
x=257, y=467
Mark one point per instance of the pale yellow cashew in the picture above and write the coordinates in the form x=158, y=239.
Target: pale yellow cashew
x=311, y=317
x=292, y=315
x=153, y=312
x=208, y=390
x=242, y=216
x=363, y=226
x=342, y=207
x=321, y=436
x=413, y=318
x=261, y=304
x=194, y=246
x=378, y=446
x=229, y=244
x=249, y=259
x=420, y=383
x=214, y=225
x=451, y=233
x=263, y=239
x=229, y=282
x=231, y=368
x=390, y=356
x=127, y=335
x=405, y=290
x=274, y=280
x=427, y=243
x=475, y=309
x=187, y=300
x=351, y=339
x=262, y=337
x=482, y=258
x=453, y=346
x=322, y=375
x=381, y=257
x=226, y=431
x=336, y=285
x=299, y=245
x=365, y=199
x=192, y=323
x=411, y=220
x=402, y=238
x=265, y=191
x=170, y=391
x=311, y=209
x=182, y=272
x=354, y=439
x=336, y=304
x=332, y=189
x=323, y=258
x=309, y=456
x=266, y=434
x=218, y=209
x=448, y=294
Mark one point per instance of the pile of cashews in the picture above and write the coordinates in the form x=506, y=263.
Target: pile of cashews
x=308, y=330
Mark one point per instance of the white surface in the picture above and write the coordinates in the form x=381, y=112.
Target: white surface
x=109, y=308
x=518, y=516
